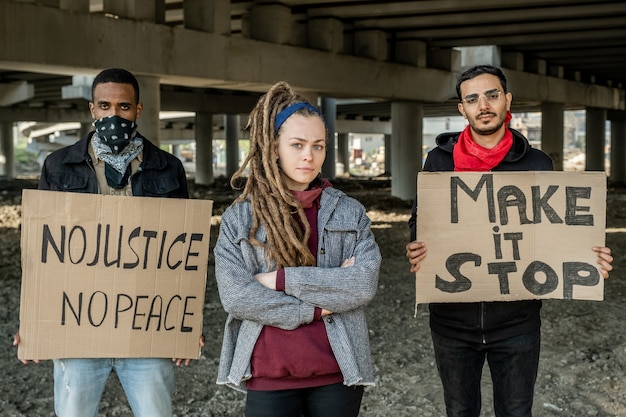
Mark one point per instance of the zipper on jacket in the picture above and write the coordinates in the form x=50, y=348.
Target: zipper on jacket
x=134, y=174
x=482, y=321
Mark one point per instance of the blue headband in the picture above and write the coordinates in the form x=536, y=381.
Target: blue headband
x=285, y=113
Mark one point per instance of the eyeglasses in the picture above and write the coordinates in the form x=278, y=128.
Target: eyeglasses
x=492, y=97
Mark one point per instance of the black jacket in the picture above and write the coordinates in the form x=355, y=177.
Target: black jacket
x=71, y=169
x=484, y=322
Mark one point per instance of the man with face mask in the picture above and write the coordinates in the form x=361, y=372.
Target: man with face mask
x=114, y=159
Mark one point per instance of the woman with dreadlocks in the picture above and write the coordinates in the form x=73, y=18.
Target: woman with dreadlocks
x=296, y=263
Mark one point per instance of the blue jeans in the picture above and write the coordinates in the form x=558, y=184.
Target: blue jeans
x=147, y=382
x=335, y=400
x=513, y=365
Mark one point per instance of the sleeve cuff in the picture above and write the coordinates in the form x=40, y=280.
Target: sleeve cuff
x=280, y=279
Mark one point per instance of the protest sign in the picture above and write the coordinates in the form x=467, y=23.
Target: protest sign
x=503, y=236
x=111, y=276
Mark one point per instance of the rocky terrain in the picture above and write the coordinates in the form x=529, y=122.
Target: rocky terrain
x=583, y=346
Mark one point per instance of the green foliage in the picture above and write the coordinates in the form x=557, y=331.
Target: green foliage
x=24, y=156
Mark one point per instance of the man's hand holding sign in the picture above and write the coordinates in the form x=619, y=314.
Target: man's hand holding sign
x=501, y=236
x=110, y=276
x=510, y=236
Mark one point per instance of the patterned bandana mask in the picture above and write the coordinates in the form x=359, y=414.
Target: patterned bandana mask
x=115, y=132
x=117, y=143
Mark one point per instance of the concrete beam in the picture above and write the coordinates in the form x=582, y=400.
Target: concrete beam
x=208, y=103
x=9, y=114
x=190, y=58
x=362, y=126
x=558, y=90
x=16, y=92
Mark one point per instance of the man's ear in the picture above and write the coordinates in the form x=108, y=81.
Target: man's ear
x=509, y=99
x=139, y=109
x=461, y=109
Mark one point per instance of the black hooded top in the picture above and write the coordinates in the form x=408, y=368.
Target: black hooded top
x=484, y=322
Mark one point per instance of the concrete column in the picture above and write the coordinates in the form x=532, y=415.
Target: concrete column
x=329, y=111
x=388, y=155
x=148, y=123
x=411, y=52
x=207, y=16
x=204, y=149
x=513, y=60
x=7, y=150
x=594, y=139
x=159, y=12
x=271, y=23
x=480, y=55
x=552, y=122
x=371, y=44
x=75, y=5
x=618, y=151
x=231, y=131
x=343, y=153
x=537, y=66
x=325, y=34
x=145, y=10
x=406, y=148
x=445, y=59
x=80, y=88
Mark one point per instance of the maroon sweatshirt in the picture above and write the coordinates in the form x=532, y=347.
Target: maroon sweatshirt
x=299, y=358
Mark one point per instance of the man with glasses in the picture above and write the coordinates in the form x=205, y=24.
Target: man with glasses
x=507, y=334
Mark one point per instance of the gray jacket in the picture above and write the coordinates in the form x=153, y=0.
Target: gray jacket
x=344, y=231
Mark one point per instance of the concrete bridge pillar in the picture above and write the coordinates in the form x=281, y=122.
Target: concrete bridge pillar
x=406, y=148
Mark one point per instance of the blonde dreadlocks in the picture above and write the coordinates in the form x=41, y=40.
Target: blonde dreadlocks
x=273, y=205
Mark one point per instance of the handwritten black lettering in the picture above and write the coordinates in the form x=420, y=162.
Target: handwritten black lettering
x=578, y=273
x=457, y=182
x=531, y=283
x=138, y=312
x=183, y=328
x=117, y=248
x=48, y=239
x=453, y=264
x=572, y=194
x=512, y=196
x=538, y=278
x=540, y=203
x=502, y=269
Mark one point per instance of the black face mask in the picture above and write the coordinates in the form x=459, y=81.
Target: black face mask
x=115, y=132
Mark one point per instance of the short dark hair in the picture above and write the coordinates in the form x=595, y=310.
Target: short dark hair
x=116, y=75
x=479, y=70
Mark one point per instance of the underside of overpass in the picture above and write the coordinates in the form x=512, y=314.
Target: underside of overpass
x=216, y=57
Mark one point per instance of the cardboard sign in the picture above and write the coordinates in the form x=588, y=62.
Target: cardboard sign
x=110, y=276
x=510, y=235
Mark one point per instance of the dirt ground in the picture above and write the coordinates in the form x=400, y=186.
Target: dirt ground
x=583, y=355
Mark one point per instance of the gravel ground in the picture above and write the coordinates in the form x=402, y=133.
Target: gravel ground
x=583, y=347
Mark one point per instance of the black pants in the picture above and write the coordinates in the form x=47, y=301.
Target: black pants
x=336, y=400
x=513, y=364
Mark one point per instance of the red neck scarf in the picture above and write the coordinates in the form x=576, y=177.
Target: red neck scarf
x=470, y=156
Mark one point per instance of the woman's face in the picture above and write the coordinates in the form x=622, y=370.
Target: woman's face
x=301, y=150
